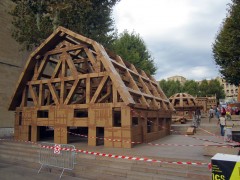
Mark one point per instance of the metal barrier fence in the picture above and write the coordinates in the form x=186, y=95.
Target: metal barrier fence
x=57, y=155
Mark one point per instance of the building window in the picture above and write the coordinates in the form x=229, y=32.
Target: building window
x=117, y=118
x=42, y=114
x=134, y=121
x=80, y=113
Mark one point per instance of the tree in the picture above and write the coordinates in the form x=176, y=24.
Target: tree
x=226, y=49
x=170, y=87
x=190, y=87
x=131, y=47
x=215, y=88
x=205, y=88
x=34, y=20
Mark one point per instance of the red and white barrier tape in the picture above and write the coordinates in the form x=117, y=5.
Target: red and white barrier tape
x=116, y=156
x=126, y=157
x=153, y=144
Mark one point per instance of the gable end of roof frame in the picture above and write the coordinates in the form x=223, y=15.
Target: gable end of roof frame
x=66, y=63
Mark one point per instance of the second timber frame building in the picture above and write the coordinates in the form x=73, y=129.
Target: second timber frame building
x=75, y=86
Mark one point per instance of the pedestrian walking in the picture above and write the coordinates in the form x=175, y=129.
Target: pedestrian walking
x=211, y=113
x=217, y=112
x=222, y=123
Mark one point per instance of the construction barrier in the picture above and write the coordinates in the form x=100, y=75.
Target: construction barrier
x=61, y=149
x=57, y=155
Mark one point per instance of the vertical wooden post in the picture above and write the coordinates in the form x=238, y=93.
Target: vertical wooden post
x=126, y=119
x=35, y=132
x=61, y=135
x=92, y=136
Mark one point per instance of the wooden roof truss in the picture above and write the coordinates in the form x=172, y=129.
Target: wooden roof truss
x=71, y=69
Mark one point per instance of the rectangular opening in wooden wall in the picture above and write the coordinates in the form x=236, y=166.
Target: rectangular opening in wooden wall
x=134, y=121
x=160, y=124
x=117, y=118
x=20, y=118
x=100, y=136
x=80, y=113
x=42, y=114
x=152, y=125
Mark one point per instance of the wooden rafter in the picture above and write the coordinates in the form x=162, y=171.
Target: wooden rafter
x=99, y=89
x=41, y=94
x=41, y=68
x=56, y=70
x=104, y=75
x=66, y=49
x=71, y=66
x=88, y=89
x=54, y=93
x=92, y=59
x=70, y=94
x=24, y=97
x=34, y=95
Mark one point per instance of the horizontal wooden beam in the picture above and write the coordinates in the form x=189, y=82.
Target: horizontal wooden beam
x=146, y=95
x=66, y=49
x=131, y=71
x=69, y=78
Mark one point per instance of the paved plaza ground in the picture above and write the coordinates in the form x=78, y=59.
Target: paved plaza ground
x=172, y=152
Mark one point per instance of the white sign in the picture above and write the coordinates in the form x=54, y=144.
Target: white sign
x=57, y=149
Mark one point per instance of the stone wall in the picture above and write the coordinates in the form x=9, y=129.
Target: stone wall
x=11, y=62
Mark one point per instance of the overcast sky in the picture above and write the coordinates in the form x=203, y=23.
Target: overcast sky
x=178, y=33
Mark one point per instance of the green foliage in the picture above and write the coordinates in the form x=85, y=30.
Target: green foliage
x=205, y=88
x=132, y=48
x=170, y=87
x=216, y=88
x=226, y=49
x=34, y=20
x=191, y=87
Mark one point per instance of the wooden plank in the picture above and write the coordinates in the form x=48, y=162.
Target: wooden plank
x=147, y=91
x=144, y=101
x=115, y=94
x=54, y=93
x=92, y=59
x=99, y=89
x=120, y=61
x=34, y=95
x=24, y=97
x=82, y=60
x=134, y=69
x=71, y=92
x=131, y=71
x=66, y=49
x=71, y=66
x=103, y=98
x=62, y=92
x=146, y=95
x=53, y=60
x=88, y=89
x=132, y=81
x=41, y=68
x=41, y=94
x=155, y=92
x=64, y=68
x=56, y=70
x=69, y=78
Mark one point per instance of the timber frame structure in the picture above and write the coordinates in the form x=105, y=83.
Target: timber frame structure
x=184, y=104
x=72, y=84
